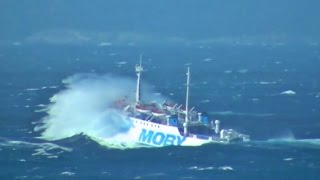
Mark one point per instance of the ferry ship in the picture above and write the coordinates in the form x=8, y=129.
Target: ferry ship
x=165, y=124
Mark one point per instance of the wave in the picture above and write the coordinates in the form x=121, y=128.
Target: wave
x=85, y=107
x=231, y=113
x=40, y=148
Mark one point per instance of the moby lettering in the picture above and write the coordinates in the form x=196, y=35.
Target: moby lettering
x=159, y=138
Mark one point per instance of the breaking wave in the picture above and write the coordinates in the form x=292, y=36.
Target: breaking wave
x=85, y=107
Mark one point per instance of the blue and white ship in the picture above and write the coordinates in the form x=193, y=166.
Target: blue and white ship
x=166, y=124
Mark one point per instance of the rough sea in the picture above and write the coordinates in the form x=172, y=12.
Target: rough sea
x=54, y=111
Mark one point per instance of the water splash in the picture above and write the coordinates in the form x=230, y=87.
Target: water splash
x=85, y=107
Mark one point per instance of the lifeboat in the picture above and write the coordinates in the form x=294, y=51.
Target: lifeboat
x=158, y=113
x=142, y=109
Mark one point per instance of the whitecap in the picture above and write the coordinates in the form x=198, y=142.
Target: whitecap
x=205, y=168
x=207, y=59
x=67, y=173
x=104, y=44
x=52, y=157
x=42, y=149
x=205, y=101
x=201, y=168
x=288, y=92
x=121, y=62
x=265, y=82
x=288, y=159
x=32, y=89
x=226, y=168
x=41, y=152
x=231, y=113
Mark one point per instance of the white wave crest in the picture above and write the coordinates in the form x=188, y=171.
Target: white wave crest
x=85, y=107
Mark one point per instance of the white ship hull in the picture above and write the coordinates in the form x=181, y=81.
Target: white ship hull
x=159, y=125
x=158, y=135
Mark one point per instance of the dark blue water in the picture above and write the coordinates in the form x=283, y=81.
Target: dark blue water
x=246, y=87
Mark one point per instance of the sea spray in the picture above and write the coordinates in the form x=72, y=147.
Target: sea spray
x=85, y=107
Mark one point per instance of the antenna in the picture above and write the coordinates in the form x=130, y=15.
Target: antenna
x=140, y=60
x=187, y=95
x=185, y=124
x=139, y=69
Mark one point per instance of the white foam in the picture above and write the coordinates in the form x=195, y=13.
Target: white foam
x=207, y=59
x=201, y=168
x=265, y=82
x=226, y=168
x=102, y=44
x=121, y=62
x=41, y=149
x=231, y=113
x=288, y=159
x=205, y=101
x=205, y=168
x=67, y=173
x=85, y=107
x=52, y=157
x=42, y=88
x=32, y=89
x=288, y=92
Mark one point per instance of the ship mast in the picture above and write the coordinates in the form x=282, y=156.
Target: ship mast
x=185, y=124
x=139, y=69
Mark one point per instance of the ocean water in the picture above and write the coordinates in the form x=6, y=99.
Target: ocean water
x=54, y=111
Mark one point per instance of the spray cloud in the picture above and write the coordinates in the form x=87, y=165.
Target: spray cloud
x=85, y=107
